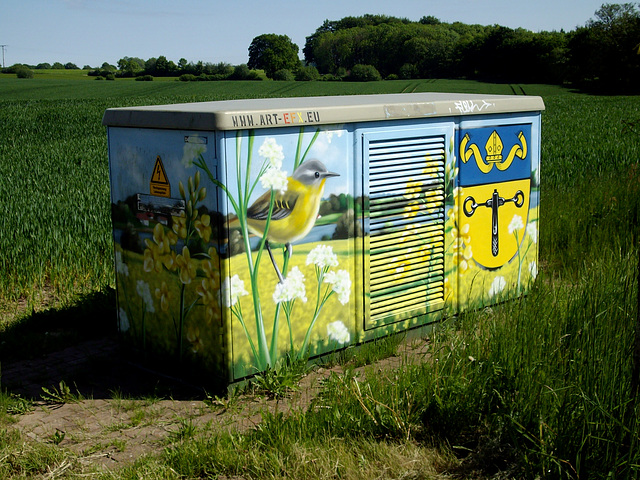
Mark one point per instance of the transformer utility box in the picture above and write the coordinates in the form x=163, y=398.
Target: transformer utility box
x=249, y=230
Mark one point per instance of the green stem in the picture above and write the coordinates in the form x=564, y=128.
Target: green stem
x=263, y=350
x=239, y=206
x=519, y=263
x=201, y=164
x=247, y=180
x=238, y=315
x=274, y=334
x=298, y=149
x=290, y=330
x=316, y=314
x=315, y=136
x=276, y=318
x=267, y=223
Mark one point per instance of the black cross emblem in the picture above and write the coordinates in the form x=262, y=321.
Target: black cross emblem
x=493, y=203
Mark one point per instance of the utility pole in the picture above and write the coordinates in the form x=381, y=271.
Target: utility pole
x=3, y=54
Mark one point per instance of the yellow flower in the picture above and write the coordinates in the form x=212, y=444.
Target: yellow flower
x=162, y=240
x=458, y=199
x=186, y=266
x=193, y=336
x=151, y=259
x=170, y=261
x=448, y=290
x=163, y=295
x=461, y=235
x=180, y=225
x=212, y=273
x=463, y=255
x=208, y=290
x=464, y=234
x=203, y=227
x=158, y=250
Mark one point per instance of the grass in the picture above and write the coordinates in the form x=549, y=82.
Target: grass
x=536, y=388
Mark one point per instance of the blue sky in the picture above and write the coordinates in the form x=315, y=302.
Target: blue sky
x=90, y=32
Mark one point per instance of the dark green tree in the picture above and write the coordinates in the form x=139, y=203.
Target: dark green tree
x=604, y=53
x=163, y=67
x=130, y=66
x=22, y=71
x=364, y=73
x=271, y=52
x=430, y=20
x=308, y=73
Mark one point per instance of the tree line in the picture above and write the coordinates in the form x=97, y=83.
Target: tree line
x=604, y=54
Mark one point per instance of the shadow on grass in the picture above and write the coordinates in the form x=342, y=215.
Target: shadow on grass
x=79, y=345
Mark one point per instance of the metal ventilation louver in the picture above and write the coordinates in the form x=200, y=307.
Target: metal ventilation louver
x=406, y=220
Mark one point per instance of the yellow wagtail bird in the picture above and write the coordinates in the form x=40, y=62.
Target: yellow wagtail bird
x=294, y=211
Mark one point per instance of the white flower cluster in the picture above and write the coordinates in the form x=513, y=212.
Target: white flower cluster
x=291, y=288
x=532, y=231
x=121, y=267
x=271, y=151
x=231, y=290
x=340, y=283
x=123, y=321
x=339, y=332
x=274, y=177
x=497, y=286
x=533, y=269
x=322, y=256
x=516, y=224
x=142, y=288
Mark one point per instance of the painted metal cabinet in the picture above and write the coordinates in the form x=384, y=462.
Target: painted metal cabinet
x=250, y=230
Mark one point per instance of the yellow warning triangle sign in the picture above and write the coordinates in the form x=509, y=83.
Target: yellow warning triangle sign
x=159, y=184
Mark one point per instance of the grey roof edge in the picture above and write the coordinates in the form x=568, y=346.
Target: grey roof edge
x=296, y=111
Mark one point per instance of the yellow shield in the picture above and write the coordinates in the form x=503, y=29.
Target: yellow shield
x=493, y=249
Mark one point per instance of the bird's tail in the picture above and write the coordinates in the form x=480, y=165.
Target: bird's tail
x=232, y=222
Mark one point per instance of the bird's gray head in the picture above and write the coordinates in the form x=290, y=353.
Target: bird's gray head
x=312, y=172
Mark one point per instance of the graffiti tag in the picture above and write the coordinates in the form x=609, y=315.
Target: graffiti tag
x=471, y=106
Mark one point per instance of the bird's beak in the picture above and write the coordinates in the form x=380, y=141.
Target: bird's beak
x=330, y=174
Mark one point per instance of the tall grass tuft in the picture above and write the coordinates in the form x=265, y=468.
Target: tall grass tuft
x=548, y=378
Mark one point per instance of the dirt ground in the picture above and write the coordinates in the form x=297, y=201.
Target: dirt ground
x=123, y=409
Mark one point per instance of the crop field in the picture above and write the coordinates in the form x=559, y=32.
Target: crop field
x=549, y=377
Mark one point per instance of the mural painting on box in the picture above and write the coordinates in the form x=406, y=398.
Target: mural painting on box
x=289, y=263
x=166, y=250
x=495, y=216
x=273, y=262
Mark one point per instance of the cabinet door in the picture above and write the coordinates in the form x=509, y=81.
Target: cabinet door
x=404, y=244
x=497, y=209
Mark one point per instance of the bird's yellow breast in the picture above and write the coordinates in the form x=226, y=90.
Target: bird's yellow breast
x=295, y=226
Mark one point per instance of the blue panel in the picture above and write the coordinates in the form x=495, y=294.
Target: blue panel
x=494, y=154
